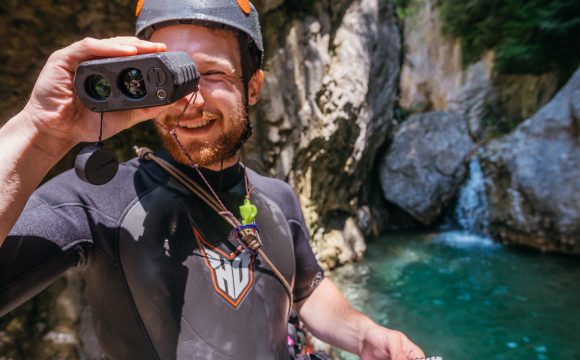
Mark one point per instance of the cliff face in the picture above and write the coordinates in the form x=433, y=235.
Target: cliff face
x=325, y=110
x=32, y=31
x=433, y=77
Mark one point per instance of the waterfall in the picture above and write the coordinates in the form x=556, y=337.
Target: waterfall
x=471, y=212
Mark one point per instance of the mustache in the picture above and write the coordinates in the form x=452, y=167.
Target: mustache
x=173, y=119
x=205, y=115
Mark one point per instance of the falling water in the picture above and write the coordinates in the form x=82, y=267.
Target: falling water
x=471, y=212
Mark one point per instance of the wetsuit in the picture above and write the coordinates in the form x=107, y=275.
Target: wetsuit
x=162, y=279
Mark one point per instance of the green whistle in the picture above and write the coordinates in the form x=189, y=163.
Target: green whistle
x=248, y=212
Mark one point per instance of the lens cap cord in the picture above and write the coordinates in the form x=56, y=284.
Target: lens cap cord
x=96, y=164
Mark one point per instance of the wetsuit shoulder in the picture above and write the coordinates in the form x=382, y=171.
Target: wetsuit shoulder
x=57, y=228
x=64, y=209
x=308, y=271
x=279, y=191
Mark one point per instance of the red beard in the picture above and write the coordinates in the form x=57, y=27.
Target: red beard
x=204, y=153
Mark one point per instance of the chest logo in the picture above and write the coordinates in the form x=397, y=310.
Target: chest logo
x=232, y=274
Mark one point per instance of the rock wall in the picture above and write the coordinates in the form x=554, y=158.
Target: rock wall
x=433, y=77
x=326, y=108
x=533, y=177
x=32, y=30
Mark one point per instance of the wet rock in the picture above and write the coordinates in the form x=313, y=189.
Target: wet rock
x=340, y=246
x=533, y=177
x=426, y=164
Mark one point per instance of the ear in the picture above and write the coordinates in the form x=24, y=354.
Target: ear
x=254, y=87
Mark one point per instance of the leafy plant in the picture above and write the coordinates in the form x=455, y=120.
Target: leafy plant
x=406, y=8
x=529, y=36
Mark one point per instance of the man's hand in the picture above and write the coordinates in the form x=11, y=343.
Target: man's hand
x=329, y=316
x=54, y=120
x=380, y=343
x=59, y=116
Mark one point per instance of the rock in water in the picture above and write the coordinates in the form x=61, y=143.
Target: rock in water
x=426, y=164
x=533, y=177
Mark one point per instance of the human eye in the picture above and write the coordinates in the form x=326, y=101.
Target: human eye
x=213, y=75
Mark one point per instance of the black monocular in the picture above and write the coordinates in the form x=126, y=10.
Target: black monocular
x=134, y=82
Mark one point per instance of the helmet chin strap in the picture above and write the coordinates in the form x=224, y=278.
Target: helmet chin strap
x=173, y=135
x=245, y=58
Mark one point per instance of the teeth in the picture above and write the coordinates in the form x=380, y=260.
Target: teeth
x=195, y=126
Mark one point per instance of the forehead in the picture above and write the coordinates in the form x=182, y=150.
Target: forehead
x=203, y=44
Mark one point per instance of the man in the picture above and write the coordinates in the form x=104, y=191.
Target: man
x=164, y=278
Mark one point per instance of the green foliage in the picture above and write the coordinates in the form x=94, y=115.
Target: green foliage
x=406, y=8
x=401, y=114
x=496, y=124
x=529, y=36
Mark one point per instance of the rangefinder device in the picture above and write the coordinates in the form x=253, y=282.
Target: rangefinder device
x=135, y=81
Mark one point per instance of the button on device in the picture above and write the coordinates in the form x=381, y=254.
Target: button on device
x=161, y=94
x=156, y=76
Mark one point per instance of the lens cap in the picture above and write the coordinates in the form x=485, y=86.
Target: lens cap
x=96, y=165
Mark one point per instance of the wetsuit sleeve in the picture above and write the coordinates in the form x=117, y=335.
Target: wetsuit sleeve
x=308, y=272
x=45, y=242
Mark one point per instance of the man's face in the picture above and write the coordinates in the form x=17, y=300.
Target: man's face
x=212, y=126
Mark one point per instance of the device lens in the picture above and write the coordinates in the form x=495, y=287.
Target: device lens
x=132, y=84
x=98, y=87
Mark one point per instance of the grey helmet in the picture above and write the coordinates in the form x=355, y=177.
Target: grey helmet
x=237, y=14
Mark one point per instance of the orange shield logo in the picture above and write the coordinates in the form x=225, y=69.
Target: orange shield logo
x=245, y=6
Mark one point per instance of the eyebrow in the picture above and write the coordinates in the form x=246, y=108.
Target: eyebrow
x=219, y=61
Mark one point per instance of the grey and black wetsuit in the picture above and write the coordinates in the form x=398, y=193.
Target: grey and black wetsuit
x=162, y=280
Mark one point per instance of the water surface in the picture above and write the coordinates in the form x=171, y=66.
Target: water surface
x=464, y=297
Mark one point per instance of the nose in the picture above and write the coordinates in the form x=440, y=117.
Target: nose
x=195, y=99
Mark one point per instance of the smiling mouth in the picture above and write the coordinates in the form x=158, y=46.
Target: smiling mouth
x=195, y=126
x=206, y=120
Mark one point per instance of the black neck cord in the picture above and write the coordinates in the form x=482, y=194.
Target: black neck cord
x=100, y=142
x=220, y=183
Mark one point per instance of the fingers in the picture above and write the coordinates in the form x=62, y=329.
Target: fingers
x=412, y=350
x=89, y=48
x=416, y=355
x=117, y=121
